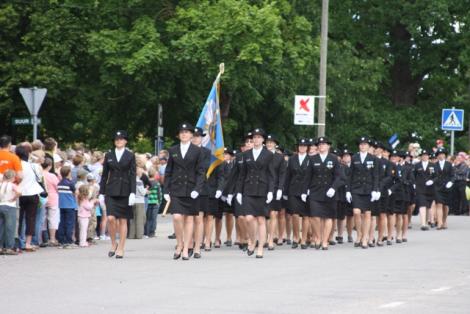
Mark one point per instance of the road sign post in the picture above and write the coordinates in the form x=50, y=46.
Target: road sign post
x=33, y=97
x=452, y=120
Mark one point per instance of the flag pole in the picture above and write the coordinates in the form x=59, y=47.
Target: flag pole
x=221, y=71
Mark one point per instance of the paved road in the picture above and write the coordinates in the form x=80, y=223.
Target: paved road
x=429, y=274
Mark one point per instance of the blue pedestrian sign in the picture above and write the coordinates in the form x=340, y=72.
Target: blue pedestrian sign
x=452, y=119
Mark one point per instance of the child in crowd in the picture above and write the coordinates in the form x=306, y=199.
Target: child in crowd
x=94, y=192
x=9, y=193
x=85, y=208
x=154, y=200
x=67, y=205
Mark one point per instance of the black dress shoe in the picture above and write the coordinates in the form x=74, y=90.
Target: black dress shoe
x=259, y=256
x=197, y=255
x=350, y=239
x=245, y=247
x=112, y=253
x=176, y=255
x=190, y=252
x=364, y=246
x=424, y=228
x=295, y=245
x=324, y=248
x=250, y=252
x=398, y=241
x=405, y=240
x=380, y=244
x=265, y=246
x=185, y=258
x=288, y=242
x=371, y=244
x=312, y=246
x=340, y=240
x=317, y=246
x=389, y=242
x=172, y=236
x=331, y=242
x=357, y=244
x=228, y=243
x=119, y=256
x=303, y=246
x=270, y=248
x=275, y=240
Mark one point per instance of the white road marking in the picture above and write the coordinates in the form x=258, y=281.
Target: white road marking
x=390, y=305
x=441, y=289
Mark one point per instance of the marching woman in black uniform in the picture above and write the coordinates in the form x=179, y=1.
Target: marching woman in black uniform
x=294, y=187
x=255, y=190
x=400, y=190
x=443, y=182
x=203, y=199
x=385, y=182
x=363, y=190
x=225, y=208
x=117, y=191
x=231, y=187
x=184, y=180
x=424, y=173
x=276, y=205
x=323, y=179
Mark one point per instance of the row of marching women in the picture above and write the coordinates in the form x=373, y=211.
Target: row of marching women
x=305, y=199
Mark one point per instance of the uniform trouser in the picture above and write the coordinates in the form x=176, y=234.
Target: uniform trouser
x=459, y=203
x=8, y=224
x=151, y=223
x=136, y=224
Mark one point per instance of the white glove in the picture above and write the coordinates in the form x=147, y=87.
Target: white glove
x=414, y=186
x=223, y=198
x=372, y=196
x=229, y=199
x=449, y=185
x=194, y=195
x=218, y=194
x=278, y=195
x=330, y=193
x=166, y=197
x=131, y=199
x=429, y=182
x=285, y=197
x=269, y=197
x=349, y=197
x=308, y=192
x=389, y=192
x=101, y=200
x=239, y=198
x=377, y=195
x=304, y=198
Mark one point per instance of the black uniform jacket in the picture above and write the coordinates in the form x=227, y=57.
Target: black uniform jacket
x=256, y=178
x=118, y=178
x=294, y=184
x=364, y=176
x=184, y=175
x=323, y=175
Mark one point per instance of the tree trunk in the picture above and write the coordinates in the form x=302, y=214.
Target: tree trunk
x=404, y=85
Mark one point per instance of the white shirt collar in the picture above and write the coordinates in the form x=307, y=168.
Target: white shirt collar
x=184, y=148
x=119, y=152
x=323, y=157
x=257, y=152
x=363, y=156
x=302, y=158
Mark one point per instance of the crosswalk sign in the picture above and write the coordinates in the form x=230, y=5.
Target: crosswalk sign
x=452, y=119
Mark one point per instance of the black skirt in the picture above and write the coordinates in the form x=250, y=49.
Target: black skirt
x=400, y=207
x=322, y=209
x=423, y=200
x=275, y=205
x=296, y=206
x=226, y=208
x=184, y=205
x=341, y=210
x=442, y=197
x=118, y=207
x=383, y=204
x=212, y=207
x=203, y=203
x=238, y=209
x=255, y=206
x=362, y=202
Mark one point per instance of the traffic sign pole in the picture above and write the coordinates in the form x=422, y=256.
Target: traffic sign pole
x=33, y=97
x=452, y=139
x=34, y=117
